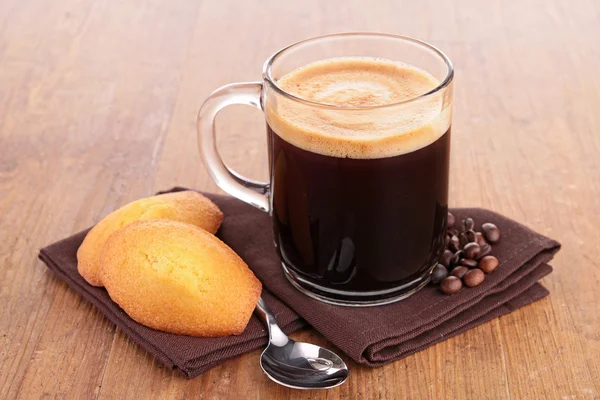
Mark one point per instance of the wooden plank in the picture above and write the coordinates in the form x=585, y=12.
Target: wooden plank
x=73, y=74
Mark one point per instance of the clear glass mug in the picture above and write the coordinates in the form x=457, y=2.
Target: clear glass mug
x=351, y=227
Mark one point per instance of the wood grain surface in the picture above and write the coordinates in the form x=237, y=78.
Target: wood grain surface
x=98, y=101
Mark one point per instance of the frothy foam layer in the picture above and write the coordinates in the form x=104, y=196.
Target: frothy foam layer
x=353, y=131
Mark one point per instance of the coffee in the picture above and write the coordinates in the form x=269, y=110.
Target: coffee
x=359, y=183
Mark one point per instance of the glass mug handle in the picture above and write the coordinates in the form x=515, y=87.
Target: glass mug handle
x=250, y=191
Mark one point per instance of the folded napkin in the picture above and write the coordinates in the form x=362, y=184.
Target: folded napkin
x=371, y=336
x=191, y=355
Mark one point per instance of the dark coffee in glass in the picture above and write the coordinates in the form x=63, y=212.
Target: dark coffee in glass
x=359, y=201
x=360, y=225
x=358, y=129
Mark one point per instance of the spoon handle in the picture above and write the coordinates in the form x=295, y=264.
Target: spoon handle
x=276, y=335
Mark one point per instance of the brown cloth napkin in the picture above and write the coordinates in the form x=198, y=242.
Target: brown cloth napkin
x=191, y=355
x=371, y=336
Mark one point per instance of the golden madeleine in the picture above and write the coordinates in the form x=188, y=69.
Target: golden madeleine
x=187, y=206
x=178, y=278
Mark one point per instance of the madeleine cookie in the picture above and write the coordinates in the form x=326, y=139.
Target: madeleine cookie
x=177, y=278
x=187, y=206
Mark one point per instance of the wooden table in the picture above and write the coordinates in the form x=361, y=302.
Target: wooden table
x=98, y=105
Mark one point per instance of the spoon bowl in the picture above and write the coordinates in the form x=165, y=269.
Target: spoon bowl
x=298, y=365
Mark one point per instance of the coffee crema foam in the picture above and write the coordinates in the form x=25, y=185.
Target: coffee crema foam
x=355, y=131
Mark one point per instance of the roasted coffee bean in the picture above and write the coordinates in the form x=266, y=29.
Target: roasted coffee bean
x=467, y=262
x=491, y=232
x=453, y=232
x=447, y=241
x=468, y=224
x=438, y=274
x=471, y=250
x=479, y=239
x=454, y=244
x=474, y=277
x=488, y=263
x=451, y=285
x=446, y=257
x=451, y=220
x=463, y=240
x=455, y=260
x=485, y=250
x=459, y=272
x=471, y=236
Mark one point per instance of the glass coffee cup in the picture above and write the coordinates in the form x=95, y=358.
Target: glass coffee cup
x=358, y=128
